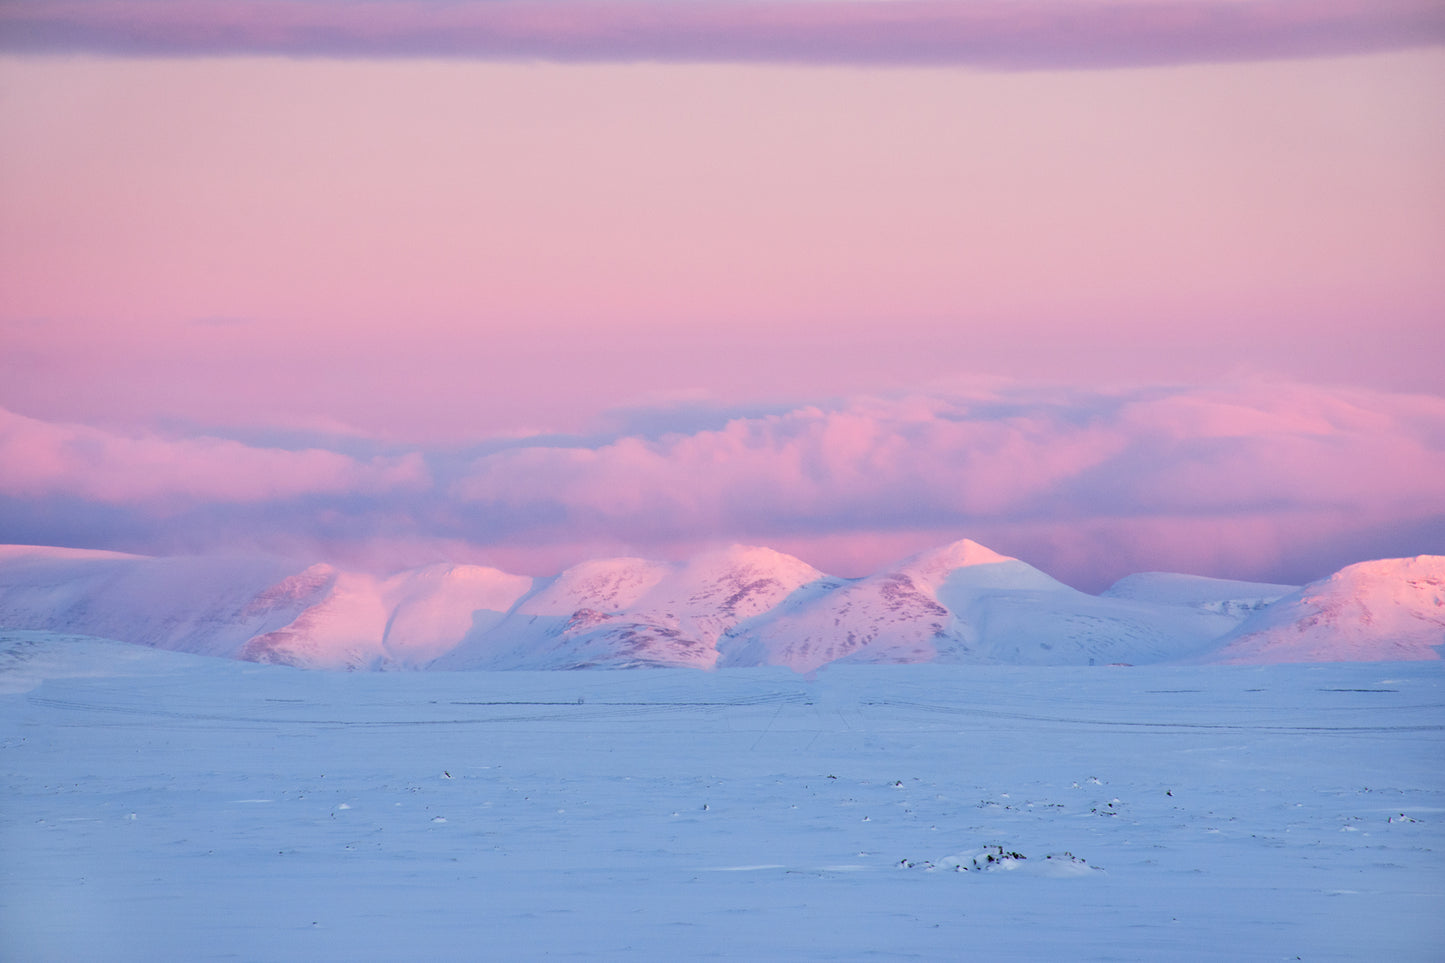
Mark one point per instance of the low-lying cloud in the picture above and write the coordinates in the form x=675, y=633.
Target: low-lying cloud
x=1256, y=480
x=47, y=459
x=985, y=33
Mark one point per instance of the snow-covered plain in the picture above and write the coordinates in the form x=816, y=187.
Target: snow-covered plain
x=162, y=805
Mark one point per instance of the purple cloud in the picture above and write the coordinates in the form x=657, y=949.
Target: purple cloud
x=985, y=33
x=47, y=459
x=1172, y=477
x=1282, y=482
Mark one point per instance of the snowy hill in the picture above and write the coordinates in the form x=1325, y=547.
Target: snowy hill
x=558, y=608
x=966, y=604
x=405, y=621
x=1223, y=596
x=260, y=610
x=737, y=607
x=1387, y=610
x=628, y=612
x=893, y=615
x=209, y=606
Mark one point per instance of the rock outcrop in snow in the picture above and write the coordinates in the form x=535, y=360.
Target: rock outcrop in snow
x=740, y=606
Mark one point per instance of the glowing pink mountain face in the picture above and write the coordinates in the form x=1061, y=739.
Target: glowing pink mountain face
x=1387, y=610
x=734, y=608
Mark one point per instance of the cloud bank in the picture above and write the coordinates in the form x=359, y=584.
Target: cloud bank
x=45, y=459
x=985, y=33
x=1281, y=482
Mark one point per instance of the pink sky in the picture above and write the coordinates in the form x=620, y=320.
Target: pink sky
x=322, y=287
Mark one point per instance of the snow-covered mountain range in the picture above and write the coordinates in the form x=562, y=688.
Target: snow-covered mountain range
x=741, y=606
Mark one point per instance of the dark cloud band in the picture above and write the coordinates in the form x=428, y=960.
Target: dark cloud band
x=1001, y=34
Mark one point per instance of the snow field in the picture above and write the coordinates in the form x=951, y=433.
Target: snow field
x=159, y=805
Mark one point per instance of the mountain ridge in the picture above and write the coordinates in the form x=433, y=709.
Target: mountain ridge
x=732, y=607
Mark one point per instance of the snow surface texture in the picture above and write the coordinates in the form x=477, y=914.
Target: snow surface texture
x=161, y=806
x=737, y=607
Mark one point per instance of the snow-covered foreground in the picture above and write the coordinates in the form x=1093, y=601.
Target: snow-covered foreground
x=158, y=805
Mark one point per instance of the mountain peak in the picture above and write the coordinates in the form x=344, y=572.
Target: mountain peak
x=933, y=565
x=1420, y=566
x=756, y=557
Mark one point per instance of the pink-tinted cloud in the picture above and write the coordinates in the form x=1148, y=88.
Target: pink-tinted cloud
x=993, y=33
x=1282, y=482
x=1191, y=451
x=1202, y=478
x=40, y=458
x=917, y=453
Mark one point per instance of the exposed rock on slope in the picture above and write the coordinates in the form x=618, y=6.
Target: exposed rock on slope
x=634, y=613
x=966, y=603
x=740, y=606
x=1387, y=610
x=210, y=606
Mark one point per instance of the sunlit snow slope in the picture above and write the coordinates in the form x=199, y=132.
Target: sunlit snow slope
x=1388, y=610
x=628, y=612
x=258, y=610
x=966, y=604
x=736, y=607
